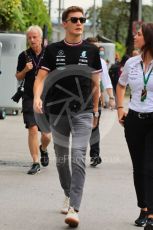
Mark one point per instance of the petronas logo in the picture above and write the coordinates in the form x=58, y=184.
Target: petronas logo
x=83, y=54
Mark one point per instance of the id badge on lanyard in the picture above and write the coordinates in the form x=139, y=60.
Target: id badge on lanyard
x=145, y=81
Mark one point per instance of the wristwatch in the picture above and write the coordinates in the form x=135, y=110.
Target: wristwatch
x=96, y=114
x=111, y=98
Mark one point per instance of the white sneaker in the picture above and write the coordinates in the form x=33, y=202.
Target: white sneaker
x=66, y=205
x=72, y=218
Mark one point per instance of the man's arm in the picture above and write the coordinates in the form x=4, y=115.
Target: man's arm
x=95, y=92
x=21, y=74
x=111, y=97
x=38, y=88
x=107, y=84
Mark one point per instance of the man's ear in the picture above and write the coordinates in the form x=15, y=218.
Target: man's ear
x=64, y=24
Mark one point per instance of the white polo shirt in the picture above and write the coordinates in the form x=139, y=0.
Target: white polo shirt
x=133, y=75
x=105, y=75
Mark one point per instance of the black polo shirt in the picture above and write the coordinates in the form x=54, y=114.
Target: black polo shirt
x=30, y=76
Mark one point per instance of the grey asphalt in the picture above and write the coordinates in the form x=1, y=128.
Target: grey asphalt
x=34, y=202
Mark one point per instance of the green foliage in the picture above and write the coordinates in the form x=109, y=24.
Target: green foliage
x=147, y=13
x=18, y=15
x=114, y=19
x=120, y=48
x=35, y=12
x=10, y=14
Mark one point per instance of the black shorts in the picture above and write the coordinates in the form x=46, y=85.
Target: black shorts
x=28, y=113
x=29, y=117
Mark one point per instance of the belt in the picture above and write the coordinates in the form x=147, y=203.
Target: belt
x=141, y=115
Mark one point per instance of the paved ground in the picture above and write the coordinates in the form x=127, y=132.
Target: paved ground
x=33, y=202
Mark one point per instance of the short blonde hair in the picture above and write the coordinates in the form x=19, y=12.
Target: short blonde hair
x=35, y=28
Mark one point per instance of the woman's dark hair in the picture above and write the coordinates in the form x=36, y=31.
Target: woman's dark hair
x=147, y=31
x=124, y=59
x=69, y=10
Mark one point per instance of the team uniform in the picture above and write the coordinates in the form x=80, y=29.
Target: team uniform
x=139, y=128
x=71, y=118
x=60, y=54
x=27, y=102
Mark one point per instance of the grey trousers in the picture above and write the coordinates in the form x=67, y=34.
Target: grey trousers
x=80, y=127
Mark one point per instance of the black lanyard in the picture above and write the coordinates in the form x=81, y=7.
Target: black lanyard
x=39, y=60
x=36, y=64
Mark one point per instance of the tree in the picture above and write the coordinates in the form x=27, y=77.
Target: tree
x=113, y=19
x=133, y=17
x=147, y=16
x=10, y=14
x=17, y=15
x=35, y=12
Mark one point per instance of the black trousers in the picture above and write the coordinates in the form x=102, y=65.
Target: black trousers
x=95, y=140
x=139, y=137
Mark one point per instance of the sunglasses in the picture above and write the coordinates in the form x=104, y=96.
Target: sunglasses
x=75, y=20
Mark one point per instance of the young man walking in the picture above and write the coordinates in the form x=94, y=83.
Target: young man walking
x=71, y=111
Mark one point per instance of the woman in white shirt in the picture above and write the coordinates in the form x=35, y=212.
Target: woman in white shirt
x=138, y=123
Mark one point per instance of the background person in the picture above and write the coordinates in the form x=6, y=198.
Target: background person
x=105, y=84
x=138, y=123
x=27, y=67
x=116, y=70
x=135, y=52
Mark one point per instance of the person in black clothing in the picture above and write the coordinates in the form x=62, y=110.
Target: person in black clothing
x=27, y=67
x=77, y=105
x=95, y=157
x=116, y=70
x=114, y=73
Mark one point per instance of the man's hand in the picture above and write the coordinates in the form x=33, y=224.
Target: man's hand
x=21, y=75
x=37, y=106
x=112, y=103
x=28, y=67
x=95, y=121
